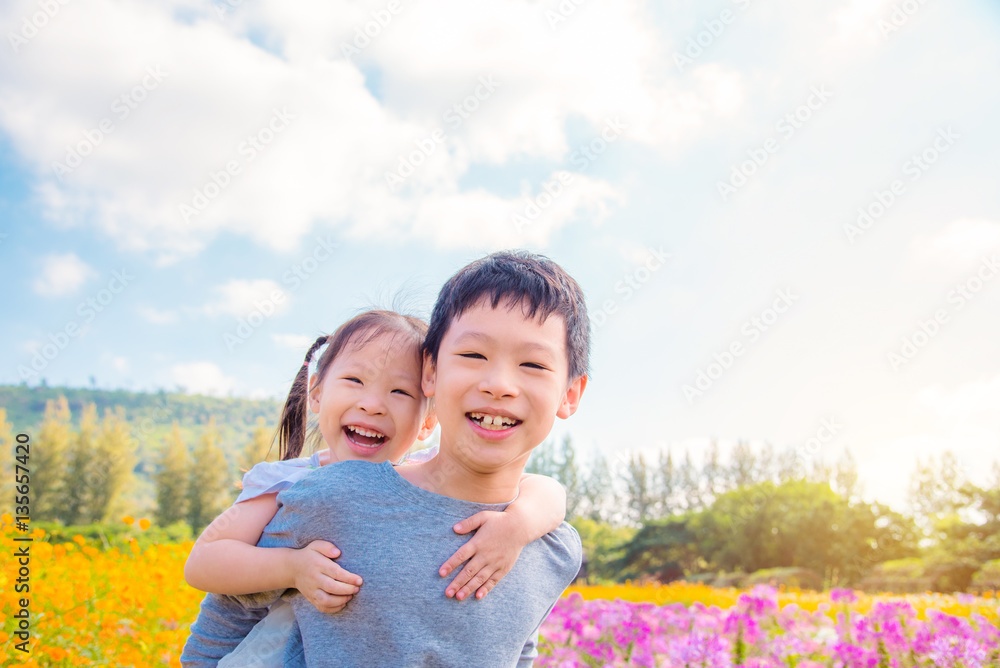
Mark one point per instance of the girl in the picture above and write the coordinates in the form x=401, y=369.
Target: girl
x=369, y=405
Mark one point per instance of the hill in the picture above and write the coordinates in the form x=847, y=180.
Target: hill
x=149, y=414
x=150, y=417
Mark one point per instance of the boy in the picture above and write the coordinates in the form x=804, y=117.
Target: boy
x=506, y=353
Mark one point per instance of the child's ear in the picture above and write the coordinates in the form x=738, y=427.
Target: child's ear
x=315, y=392
x=571, y=400
x=428, y=377
x=428, y=425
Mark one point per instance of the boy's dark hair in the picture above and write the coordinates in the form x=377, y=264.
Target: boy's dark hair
x=534, y=281
x=358, y=331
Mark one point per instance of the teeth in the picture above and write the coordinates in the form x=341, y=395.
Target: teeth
x=494, y=422
x=366, y=432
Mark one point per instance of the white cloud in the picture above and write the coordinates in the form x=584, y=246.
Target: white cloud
x=327, y=165
x=959, y=246
x=240, y=297
x=202, y=378
x=62, y=275
x=297, y=342
x=116, y=362
x=157, y=316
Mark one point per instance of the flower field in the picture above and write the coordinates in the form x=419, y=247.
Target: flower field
x=692, y=625
x=126, y=606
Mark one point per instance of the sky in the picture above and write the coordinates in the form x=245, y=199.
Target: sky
x=784, y=215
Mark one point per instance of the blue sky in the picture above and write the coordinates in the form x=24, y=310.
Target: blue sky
x=266, y=164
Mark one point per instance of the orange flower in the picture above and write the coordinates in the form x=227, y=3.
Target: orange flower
x=128, y=519
x=79, y=540
x=144, y=524
x=6, y=518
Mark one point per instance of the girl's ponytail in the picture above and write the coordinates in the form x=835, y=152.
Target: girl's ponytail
x=292, y=431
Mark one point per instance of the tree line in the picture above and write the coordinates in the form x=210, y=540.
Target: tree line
x=787, y=516
x=722, y=518
x=83, y=474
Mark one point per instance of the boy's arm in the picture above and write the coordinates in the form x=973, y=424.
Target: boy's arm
x=226, y=560
x=539, y=508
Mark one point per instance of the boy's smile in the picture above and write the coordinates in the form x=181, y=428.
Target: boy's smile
x=493, y=423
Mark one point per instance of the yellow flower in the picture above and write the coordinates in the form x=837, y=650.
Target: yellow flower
x=6, y=518
x=144, y=524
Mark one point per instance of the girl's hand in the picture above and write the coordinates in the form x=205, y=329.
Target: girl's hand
x=321, y=580
x=491, y=553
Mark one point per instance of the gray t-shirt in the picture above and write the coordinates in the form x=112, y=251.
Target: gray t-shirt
x=395, y=535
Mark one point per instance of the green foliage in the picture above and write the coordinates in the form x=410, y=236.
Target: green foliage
x=987, y=578
x=210, y=485
x=49, y=456
x=802, y=578
x=115, y=534
x=638, y=486
x=112, y=461
x=903, y=576
x=950, y=567
x=259, y=447
x=7, y=469
x=603, y=547
x=75, y=503
x=664, y=549
x=802, y=527
x=595, y=490
x=150, y=414
x=172, y=478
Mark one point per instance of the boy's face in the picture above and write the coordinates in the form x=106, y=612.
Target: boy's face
x=499, y=383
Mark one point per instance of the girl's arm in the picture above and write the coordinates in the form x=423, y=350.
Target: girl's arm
x=539, y=508
x=226, y=560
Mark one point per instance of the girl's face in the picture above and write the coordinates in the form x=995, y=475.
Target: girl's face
x=369, y=402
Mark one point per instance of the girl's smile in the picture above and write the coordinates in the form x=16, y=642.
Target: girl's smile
x=369, y=403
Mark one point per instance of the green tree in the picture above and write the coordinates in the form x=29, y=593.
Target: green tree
x=49, y=457
x=638, y=489
x=688, y=484
x=110, y=472
x=209, y=485
x=542, y=460
x=665, y=486
x=742, y=465
x=845, y=476
x=258, y=448
x=797, y=524
x=936, y=488
x=7, y=448
x=596, y=488
x=713, y=474
x=664, y=549
x=965, y=528
x=603, y=547
x=171, y=479
x=76, y=497
x=788, y=466
x=568, y=474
